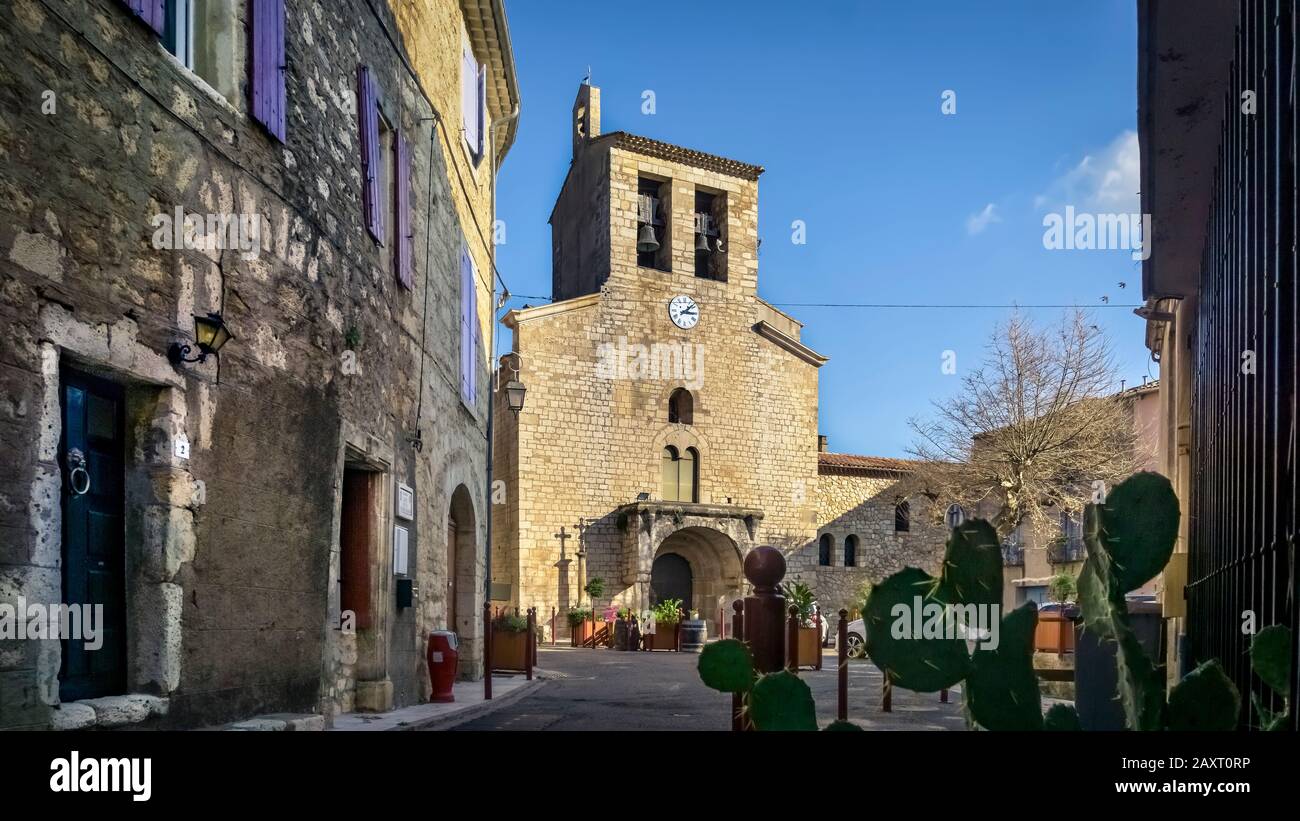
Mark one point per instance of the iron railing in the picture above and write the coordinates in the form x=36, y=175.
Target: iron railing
x=1013, y=555
x=1243, y=416
x=1064, y=551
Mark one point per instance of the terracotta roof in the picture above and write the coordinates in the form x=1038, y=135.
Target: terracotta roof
x=878, y=464
x=685, y=156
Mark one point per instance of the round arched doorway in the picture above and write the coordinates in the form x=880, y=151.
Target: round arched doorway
x=670, y=578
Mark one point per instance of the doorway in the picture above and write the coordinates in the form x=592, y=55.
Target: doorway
x=671, y=578
x=92, y=457
x=356, y=535
x=451, y=574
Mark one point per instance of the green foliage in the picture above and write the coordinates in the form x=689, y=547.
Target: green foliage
x=972, y=565
x=727, y=665
x=1002, y=689
x=801, y=596
x=843, y=727
x=352, y=338
x=1062, y=588
x=1061, y=718
x=1139, y=525
x=595, y=587
x=913, y=662
x=667, y=611
x=782, y=701
x=510, y=623
x=1270, y=658
x=1205, y=699
x=624, y=613
x=577, y=615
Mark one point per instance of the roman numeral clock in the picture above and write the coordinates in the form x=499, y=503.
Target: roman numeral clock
x=683, y=311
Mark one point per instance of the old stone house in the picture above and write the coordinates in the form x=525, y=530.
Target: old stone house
x=671, y=420
x=275, y=528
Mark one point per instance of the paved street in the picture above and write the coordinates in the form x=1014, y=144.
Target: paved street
x=609, y=690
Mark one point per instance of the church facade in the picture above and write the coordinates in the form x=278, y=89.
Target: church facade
x=671, y=415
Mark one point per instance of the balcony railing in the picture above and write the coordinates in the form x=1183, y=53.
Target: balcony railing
x=1013, y=555
x=1065, y=551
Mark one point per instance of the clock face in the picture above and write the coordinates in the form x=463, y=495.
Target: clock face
x=683, y=312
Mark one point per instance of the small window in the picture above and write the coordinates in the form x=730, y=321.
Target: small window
x=681, y=407
x=824, y=550
x=851, y=551
x=680, y=475
x=473, y=102
x=902, y=517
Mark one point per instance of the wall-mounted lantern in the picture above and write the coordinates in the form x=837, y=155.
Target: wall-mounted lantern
x=515, y=389
x=210, y=334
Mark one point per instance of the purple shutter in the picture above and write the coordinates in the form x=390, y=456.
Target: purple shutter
x=153, y=12
x=405, y=239
x=467, y=323
x=268, y=65
x=482, y=111
x=368, y=127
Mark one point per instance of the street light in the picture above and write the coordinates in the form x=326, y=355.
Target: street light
x=515, y=391
x=210, y=334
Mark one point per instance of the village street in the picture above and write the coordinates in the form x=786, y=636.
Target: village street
x=612, y=690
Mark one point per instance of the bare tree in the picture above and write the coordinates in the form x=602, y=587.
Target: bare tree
x=1032, y=430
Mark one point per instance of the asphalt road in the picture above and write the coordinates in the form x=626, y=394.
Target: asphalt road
x=612, y=690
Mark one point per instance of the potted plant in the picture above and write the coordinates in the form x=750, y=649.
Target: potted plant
x=800, y=595
x=1055, y=631
x=667, y=614
x=622, y=623
x=579, y=619
x=509, y=642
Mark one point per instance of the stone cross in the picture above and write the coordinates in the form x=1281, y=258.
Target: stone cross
x=562, y=536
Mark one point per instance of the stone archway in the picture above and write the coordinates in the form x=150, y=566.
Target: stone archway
x=461, y=578
x=715, y=571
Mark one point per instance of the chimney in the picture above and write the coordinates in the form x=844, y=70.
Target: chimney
x=586, y=116
x=821, y=443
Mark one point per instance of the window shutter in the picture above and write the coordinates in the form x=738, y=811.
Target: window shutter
x=466, y=327
x=153, y=12
x=405, y=239
x=469, y=96
x=268, y=60
x=482, y=112
x=368, y=127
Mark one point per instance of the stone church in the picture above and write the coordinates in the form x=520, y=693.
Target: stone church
x=671, y=416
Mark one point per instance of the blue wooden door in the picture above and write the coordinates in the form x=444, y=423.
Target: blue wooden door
x=92, y=459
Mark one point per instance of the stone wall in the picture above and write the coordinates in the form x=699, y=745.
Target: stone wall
x=862, y=504
x=232, y=550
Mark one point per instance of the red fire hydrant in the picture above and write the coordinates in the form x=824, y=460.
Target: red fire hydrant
x=442, y=658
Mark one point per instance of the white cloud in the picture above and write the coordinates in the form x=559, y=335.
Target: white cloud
x=976, y=223
x=1104, y=182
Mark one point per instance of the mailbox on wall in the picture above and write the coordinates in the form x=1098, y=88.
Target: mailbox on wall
x=407, y=592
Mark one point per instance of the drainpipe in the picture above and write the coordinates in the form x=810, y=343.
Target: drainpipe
x=497, y=304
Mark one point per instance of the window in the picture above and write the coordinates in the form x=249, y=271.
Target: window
x=851, y=551
x=709, y=243
x=178, y=31
x=473, y=102
x=202, y=35
x=653, y=237
x=902, y=517
x=680, y=475
x=469, y=336
x=681, y=407
x=824, y=550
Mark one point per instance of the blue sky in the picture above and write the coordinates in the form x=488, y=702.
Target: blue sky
x=902, y=203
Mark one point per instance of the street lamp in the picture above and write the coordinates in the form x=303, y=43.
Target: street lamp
x=515, y=391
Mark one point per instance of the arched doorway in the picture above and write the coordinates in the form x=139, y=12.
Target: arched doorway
x=460, y=572
x=670, y=578
x=702, y=567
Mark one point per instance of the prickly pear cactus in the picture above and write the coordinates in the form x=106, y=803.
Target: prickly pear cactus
x=782, y=701
x=1002, y=689
x=1270, y=658
x=912, y=662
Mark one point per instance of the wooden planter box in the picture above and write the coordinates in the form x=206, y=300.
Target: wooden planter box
x=664, y=638
x=810, y=646
x=1054, y=634
x=583, y=632
x=509, y=650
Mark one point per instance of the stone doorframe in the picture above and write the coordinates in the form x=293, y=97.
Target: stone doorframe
x=161, y=497
x=646, y=525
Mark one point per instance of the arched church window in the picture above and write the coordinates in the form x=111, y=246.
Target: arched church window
x=681, y=407
x=681, y=475
x=851, y=551
x=902, y=517
x=824, y=550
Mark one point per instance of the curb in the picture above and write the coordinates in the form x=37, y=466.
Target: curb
x=479, y=710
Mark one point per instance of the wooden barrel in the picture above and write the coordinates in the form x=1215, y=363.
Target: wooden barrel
x=620, y=634
x=694, y=633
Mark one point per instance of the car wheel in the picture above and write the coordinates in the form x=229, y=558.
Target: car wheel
x=857, y=647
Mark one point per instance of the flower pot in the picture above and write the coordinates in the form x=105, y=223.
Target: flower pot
x=1054, y=633
x=665, y=636
x=583, y=632
x=620, y=634
x=509, y=650
x=810, y=646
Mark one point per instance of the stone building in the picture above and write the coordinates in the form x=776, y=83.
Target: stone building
x=278, y=527
x=671, y=417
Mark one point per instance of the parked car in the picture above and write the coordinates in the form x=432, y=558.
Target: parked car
x=858, y=637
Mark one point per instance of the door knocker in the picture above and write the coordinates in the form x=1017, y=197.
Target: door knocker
x=77, y=465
